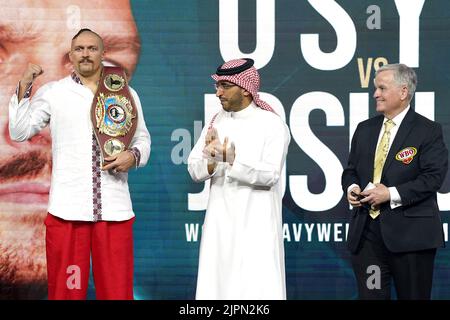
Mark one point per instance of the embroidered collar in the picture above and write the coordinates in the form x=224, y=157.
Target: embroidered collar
x=76, y=78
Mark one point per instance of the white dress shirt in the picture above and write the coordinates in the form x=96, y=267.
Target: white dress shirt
x=65, y=106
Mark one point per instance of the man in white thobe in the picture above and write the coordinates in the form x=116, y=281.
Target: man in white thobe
x=242, y=151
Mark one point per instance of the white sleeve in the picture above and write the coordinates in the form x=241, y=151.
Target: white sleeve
x=141, y=139
x=265, y=172
x=198, y=166
x=29, y=116
x=396, y=200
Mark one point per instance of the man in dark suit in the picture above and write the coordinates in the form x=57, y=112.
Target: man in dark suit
x=395, y=226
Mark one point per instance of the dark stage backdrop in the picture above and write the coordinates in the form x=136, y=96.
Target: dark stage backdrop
x=317, y=61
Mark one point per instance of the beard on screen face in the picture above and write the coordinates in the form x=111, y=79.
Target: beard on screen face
x=23, y=270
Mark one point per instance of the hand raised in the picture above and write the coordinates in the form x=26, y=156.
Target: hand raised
x=211, y=135
x=218, y=152
x=31, y=72
x=229, y=151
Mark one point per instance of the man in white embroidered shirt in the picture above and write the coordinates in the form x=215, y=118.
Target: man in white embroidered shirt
x=242, y=151
x=89, y=205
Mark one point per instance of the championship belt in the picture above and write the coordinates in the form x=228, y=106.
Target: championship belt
x=113, y=113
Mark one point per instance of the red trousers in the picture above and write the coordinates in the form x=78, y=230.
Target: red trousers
x=69, y=245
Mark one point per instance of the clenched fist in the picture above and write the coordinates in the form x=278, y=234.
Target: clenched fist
x=31, y=72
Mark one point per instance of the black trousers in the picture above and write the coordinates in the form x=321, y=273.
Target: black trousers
x=411, y=272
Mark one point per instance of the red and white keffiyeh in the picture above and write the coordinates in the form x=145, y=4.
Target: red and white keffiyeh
x=244, y=74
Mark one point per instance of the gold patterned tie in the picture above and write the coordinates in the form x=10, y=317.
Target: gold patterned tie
x=380, y=158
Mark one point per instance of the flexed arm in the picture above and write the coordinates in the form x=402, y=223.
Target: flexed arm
x=31, y=72
x=27, y=118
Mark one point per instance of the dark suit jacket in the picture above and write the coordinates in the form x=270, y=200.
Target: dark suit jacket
x=416, y=225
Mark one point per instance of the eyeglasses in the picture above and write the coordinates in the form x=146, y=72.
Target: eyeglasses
x=223, y=86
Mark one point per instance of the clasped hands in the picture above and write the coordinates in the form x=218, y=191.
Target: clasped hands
x=374, y=197
x=215, y=151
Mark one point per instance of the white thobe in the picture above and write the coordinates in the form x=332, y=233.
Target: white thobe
x=65, y=106
x=241, y=250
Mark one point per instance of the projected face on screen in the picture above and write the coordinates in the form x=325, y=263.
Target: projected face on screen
x=40, y=32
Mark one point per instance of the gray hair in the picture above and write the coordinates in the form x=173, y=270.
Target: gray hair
x=403, y=75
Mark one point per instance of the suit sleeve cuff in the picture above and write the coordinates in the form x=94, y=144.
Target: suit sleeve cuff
x=396, y=200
